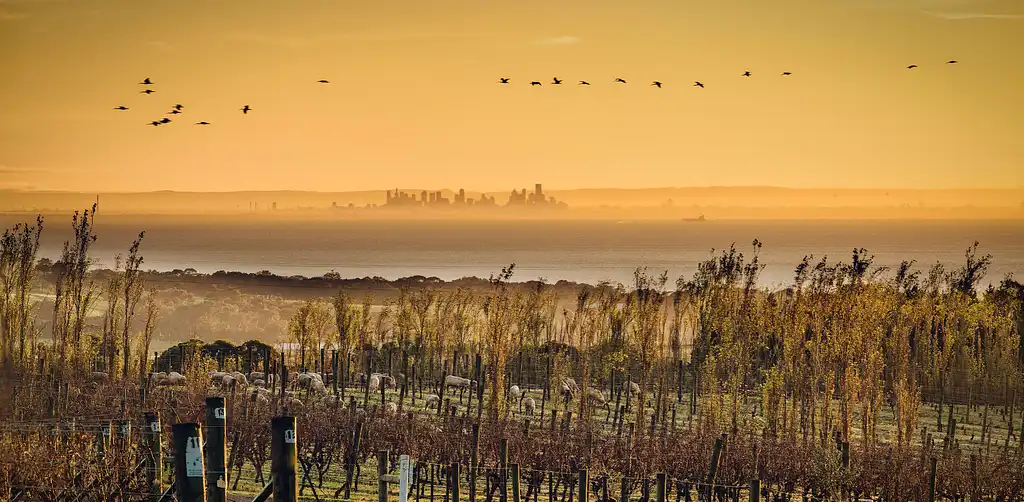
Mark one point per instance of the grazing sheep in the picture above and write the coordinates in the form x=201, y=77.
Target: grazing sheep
x=631, y=387
x=514, y=392
x=569, y=389
x=459, y=383
x=98, y=377
x=257, y=375
x=157, y=378
x=528, y=405
x=259, y=383
x=293, y=405
x=216, y=377
x=431, y=400
x=596, y=396
x=240, y=378
x=175, y=378
x=374, y=383
x=391, y=408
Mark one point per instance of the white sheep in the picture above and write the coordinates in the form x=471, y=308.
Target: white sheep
x=175, y=378
x=259, y=383
x=514, y=392
x=292, y=404
x=528, y=405
x=374, y=383
x=157, y=378
x=257, y=375
x=431, y=400
x=631, y=387
x=240, y=378
x=391, y=408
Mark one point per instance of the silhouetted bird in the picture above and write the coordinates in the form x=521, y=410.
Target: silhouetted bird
x=657, y=84
x=174, y=112
x=122, y=107
x=503, y=80
x=154, y=123
x=746, y=74
x=535, y=83
x=555, y=81
x=245, y=109
x=911, y=67
x=698, y=84
x=178, y=107
x=619, y=80
x=165, y=120
x=147, y=91
x=323, y=81
x=147, y=81
x=584, y=82
x=203, y=123
x=787, y=73
x=951, y=61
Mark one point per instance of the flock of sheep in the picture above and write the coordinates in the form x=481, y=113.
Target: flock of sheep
x=261, y=388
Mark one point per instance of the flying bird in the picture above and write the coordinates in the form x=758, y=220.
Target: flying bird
x=147, y=81
x=698, y=84
x=657, y=84
x=911, y=67
x=178, y=107
x=323, y=81
x=174, y=112
x=535, y=83
x=746, y=74
x=165, y=120
x=584, y=82
x=203, y=123
x=122, y=107
x=503, y=80
x=555, y=81
x=245, y=109
x=787, y=73
x=154, y=123
x=951, y=61
x=620, y=80
x=147, y=91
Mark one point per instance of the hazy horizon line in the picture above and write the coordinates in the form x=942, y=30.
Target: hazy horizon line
x=577, y=189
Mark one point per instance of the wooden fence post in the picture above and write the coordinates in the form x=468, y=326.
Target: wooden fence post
x=584, y=486
x=188, y=463
x=503, y=466
x=153, y=451
x=284, y=465
x=931, y=482
x=713, y=468
x=453, y=481
x=353, y=458
x=382, y=470
x=216, y=449
x=474, y=461
x=514, y=468
x=660, y=485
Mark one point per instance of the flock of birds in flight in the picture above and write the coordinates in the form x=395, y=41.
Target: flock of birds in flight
x=178, y=108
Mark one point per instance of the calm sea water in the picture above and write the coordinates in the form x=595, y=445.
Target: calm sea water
x=587, y=251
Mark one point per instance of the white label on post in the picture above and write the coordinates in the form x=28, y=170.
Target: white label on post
x=154, y=427
x=289, y=436
x=125, y=428
x=193, y=458
x=106, y=431
x=404, y=473
x=219, y=413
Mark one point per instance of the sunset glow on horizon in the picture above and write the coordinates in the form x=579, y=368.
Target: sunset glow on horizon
x=414, y=97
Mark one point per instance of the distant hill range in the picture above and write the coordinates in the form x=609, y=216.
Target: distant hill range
x=713, y=202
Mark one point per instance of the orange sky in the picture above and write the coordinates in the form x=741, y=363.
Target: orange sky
x=414, y=99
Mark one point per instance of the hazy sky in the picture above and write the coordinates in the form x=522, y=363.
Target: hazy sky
x=413, y=99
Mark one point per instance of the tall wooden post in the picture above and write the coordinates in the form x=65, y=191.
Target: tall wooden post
x=284, y=465
x=931, y=481
x=514, y=468
x=382, y=471
x=660, y=484
x=153, y=450
x=503, y=467
x=584, y=486
x=453, y=481
x=189, y=481
x=216, y=449
x=474, y=461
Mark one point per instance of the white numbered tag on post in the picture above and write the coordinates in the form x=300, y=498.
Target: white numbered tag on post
x=193, y=458
x=404, y=476
x=125, y=429
x=219, y=413
x=106, y=431
x=154, y=426
x=289, y=436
